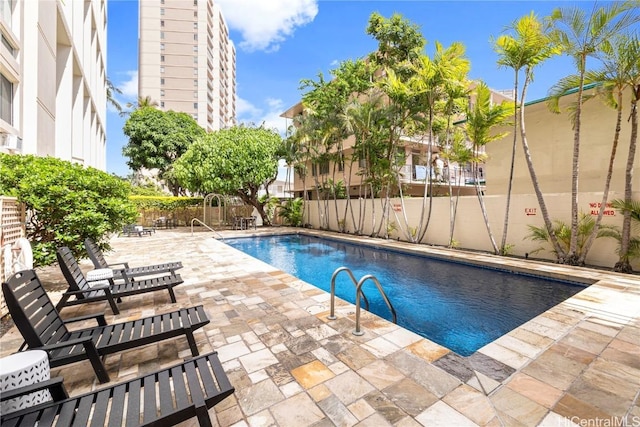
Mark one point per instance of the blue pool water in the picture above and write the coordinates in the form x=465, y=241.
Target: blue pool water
x=459, y=306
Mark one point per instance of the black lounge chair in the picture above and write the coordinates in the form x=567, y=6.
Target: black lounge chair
x=84, y=292
x=166, y=397
x=43, y=329
x=96, y=256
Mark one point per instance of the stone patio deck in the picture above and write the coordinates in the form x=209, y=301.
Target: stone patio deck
x=575, y=364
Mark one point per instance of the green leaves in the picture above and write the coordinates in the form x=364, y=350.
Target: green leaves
x=66, y=202
x=235, y=161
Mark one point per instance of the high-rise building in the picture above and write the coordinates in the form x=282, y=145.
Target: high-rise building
x=186, y=60
x=53, y=79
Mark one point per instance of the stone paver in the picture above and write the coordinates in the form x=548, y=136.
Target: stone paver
x=573, y=365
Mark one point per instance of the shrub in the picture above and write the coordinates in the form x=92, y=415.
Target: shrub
x=291, y=211
x=65, y=203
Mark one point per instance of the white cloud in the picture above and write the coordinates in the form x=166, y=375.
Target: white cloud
x=264, y=24
x=129, y=87
x=270, y=115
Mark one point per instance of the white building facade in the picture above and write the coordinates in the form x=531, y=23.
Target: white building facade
x=53, y=79
x=187, y=62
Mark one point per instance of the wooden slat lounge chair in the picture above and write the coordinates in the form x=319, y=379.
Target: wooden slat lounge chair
x=42, y=327
x=166, y=397
x=81, y=291
x=96, y=256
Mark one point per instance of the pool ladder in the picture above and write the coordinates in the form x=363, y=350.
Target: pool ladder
x=359, y=294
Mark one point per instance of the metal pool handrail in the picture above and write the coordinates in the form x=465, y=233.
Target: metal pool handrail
x=202, y=223
x=359, y=293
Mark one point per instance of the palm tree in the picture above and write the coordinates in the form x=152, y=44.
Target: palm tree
x=620, y=68
x=623, y=264
x=631, y=249
x=433, y=81
x=111, y=91
x=480, y=125
x=580, y=36
x=586, y=226
x=142, y=102
x=527, y=47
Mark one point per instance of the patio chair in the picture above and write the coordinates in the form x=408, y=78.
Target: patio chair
x=166, y=397
x=85, y=291
x=133, y=229
x=42, y=327
x=96, y=256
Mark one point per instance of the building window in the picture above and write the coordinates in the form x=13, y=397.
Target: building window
x=161, y=1
x=162, y=11
x=162, y=23
x=8, y=45
x=195, y=47
x=162, y=69
x=195, y=117
x=162, y=34
x=162, y=81
x=161, y=58
x=195, y=105
x=195, y=59
x=195, y=25
x=195, y=82
x=324, y=167
x=195, y=71
x=195, y=37
x=161, y=46
x=6, y=100
x=195, y=13
x=162, y=92
x=195, y=2
x=162, y=104
x=195, y=94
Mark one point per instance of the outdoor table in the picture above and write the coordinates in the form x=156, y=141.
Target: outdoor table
x=22, y=369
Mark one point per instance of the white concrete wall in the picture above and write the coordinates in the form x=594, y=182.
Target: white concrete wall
x=470, y=230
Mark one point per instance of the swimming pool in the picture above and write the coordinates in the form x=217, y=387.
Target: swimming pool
x=459, y=306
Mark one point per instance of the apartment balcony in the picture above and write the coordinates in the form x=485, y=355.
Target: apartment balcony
x=458, y=177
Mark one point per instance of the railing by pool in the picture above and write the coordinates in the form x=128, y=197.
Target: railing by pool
x=359, y=294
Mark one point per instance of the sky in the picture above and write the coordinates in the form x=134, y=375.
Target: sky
x=281, y=42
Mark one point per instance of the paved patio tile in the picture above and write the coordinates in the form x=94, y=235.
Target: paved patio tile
x=535, y=390
x=292, y=366
x=298, y=410
x=442, y=415
x=312, y=374
x=471, y=403
x=349, y=387
x=518, y=407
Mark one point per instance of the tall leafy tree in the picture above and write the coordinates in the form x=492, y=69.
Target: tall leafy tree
x=522, y=48
x=157, y=139
x=434, y=81
x=581, y=34
x=482, y=120
x=237, y=161
x=633, y=50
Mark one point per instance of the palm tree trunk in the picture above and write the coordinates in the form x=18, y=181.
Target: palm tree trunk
x=605, y=195
x=572, y=257
x=534, y=178
x=623, y=264
x=513, y=160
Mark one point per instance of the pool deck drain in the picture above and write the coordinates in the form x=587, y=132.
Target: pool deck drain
x=578, y=362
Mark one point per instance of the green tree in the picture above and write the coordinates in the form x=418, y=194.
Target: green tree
x=235, y=161
x=292, y=211
x=524, y=47
x=66, y=203
x=580, y=35
x=480, y=126
x=157, y=139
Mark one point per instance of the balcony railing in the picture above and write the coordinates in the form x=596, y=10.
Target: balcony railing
x=417, y=174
